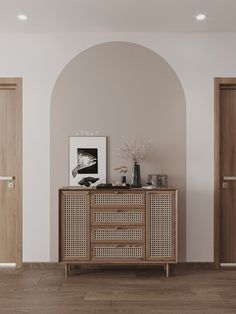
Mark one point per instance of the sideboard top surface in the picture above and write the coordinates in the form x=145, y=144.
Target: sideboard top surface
x=77, y=188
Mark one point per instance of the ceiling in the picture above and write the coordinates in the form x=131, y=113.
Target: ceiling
x=117, y=15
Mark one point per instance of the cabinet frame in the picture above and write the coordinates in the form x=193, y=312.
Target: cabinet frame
x=91, y=208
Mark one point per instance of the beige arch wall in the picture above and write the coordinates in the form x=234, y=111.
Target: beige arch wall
x=124, y=91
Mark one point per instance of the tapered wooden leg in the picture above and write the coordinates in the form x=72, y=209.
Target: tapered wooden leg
x=66, y=270
x=167, y=269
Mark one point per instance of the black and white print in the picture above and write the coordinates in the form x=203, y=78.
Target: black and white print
x=87, y=160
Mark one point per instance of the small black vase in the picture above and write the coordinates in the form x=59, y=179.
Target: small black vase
x=136, y=176
x=123, y=179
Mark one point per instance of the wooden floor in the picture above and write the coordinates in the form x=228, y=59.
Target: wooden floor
x=117, y=291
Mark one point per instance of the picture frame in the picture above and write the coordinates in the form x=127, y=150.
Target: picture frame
x=87, y=160
x=158, y=180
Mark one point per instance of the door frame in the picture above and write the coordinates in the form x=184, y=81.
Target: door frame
x=218, y=81
x=16, y=83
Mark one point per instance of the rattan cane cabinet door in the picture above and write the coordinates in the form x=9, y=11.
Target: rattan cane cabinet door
x=161, y=237
x=74, y=226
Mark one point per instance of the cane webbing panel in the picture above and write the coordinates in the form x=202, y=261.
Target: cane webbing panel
x=135, y=234
x=129, y=252
x=161, y=225
x=75, y=225
x=126, y=217
x=118, y=199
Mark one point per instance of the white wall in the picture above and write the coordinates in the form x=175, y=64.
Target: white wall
x=196, y=58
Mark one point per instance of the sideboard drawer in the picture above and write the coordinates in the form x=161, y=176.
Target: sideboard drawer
x=118, y=199
x=117, y=217
x=117, y=252
x=118, y=234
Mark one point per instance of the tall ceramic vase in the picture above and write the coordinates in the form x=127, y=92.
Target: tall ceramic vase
x=136, y=176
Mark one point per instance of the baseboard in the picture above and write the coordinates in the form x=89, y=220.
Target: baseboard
x=182, y=267
x=42, y=266
x=176, y=268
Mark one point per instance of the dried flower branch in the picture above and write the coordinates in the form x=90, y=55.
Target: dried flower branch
x=122, y=169
x=135, y=151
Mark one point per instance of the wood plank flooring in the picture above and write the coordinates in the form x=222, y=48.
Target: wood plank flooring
x=117, y=291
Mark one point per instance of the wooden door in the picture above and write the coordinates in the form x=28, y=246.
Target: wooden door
x=10, y=171
x=228, y=173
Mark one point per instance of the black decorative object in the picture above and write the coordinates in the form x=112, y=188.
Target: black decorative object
x=123, y=179
x=109, y=186
x=136, y=176
x=87, y=181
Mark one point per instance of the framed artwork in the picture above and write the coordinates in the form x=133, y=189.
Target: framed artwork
x=87, y=160
x=158, y=180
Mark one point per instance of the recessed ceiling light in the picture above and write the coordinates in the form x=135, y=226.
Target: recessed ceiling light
x=22, y=17
x=200, y=17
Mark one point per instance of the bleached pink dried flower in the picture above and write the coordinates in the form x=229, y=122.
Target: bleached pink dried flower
x=135, y=151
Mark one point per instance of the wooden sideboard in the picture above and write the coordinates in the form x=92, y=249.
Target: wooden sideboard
x=133, y=226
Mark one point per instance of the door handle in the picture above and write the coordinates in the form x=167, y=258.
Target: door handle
x=229, y=178
x=6, y=178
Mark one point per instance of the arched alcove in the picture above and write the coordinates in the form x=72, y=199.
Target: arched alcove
x=123, y=91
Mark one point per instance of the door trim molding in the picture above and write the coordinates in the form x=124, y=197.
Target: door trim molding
x=218, y=83
x=16, y=84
